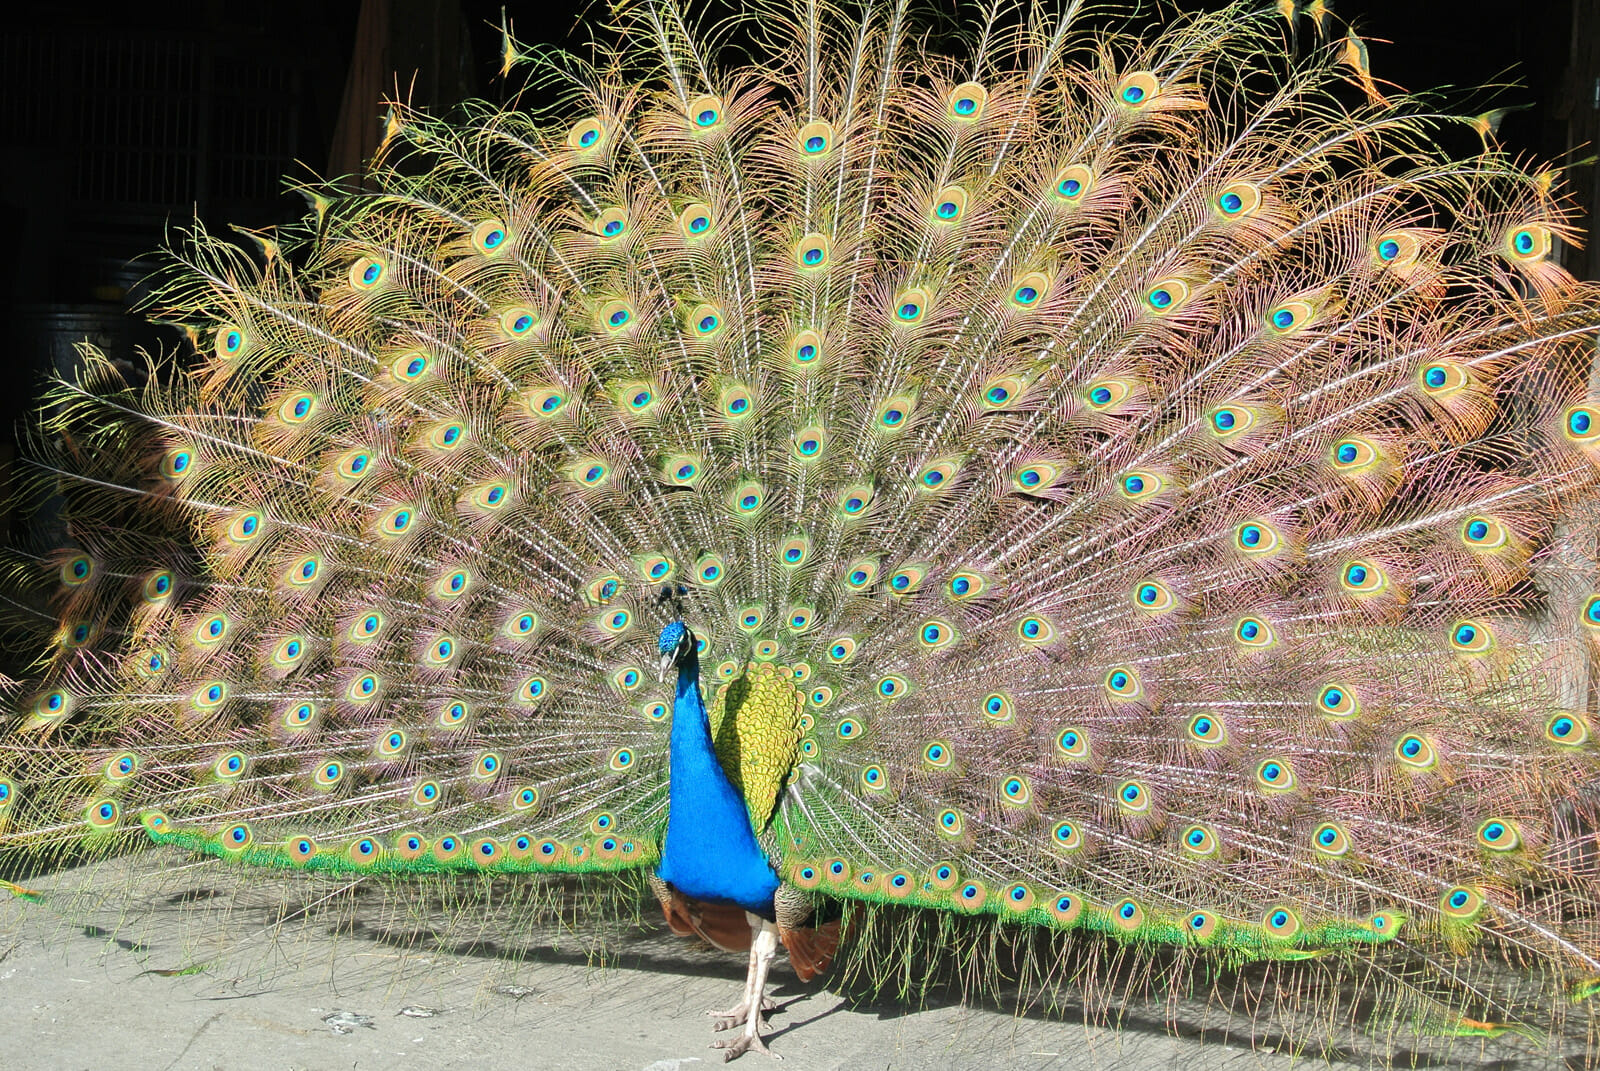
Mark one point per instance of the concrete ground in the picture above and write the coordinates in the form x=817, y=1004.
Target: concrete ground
x=193, y=976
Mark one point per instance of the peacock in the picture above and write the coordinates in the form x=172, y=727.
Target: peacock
x=1124, y=492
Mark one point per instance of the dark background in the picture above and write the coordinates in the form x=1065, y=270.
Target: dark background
x=119, y=121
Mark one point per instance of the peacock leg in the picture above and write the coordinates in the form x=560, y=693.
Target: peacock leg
x=762, y=951
x=736, y=1015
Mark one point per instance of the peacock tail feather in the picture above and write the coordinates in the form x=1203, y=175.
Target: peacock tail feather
x=1128, y=487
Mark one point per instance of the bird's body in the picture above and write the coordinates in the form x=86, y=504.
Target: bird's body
x=710, y=850
x=1136, y=491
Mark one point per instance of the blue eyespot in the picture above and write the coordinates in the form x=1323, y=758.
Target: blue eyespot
x=1388, y=249
x=1230, y=203
x=1070, y=187
x=1133, y=94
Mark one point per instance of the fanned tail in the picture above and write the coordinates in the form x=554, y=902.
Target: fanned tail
x=1155, y=481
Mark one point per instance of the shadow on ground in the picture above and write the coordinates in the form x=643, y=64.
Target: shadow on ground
x=195, y=964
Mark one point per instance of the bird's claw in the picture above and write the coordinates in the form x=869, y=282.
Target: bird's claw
x=739, y=1013
x=732, y=1049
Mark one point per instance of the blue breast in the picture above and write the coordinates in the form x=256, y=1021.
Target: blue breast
x=711, y=852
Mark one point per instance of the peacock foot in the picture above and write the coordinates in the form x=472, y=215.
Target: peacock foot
x=746, y=1042
x=736, y=1016
x=750, y=1014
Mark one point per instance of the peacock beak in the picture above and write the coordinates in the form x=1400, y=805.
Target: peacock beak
x=667, y=658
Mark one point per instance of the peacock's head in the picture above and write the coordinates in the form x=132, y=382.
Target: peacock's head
x=677, y=644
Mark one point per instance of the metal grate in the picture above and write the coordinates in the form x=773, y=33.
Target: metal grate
x=148, y=121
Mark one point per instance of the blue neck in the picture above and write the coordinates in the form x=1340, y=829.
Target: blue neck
x=711, y=852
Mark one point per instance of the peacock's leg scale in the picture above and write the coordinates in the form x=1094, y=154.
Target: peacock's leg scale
x=736, y=1015
x=762, y=951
